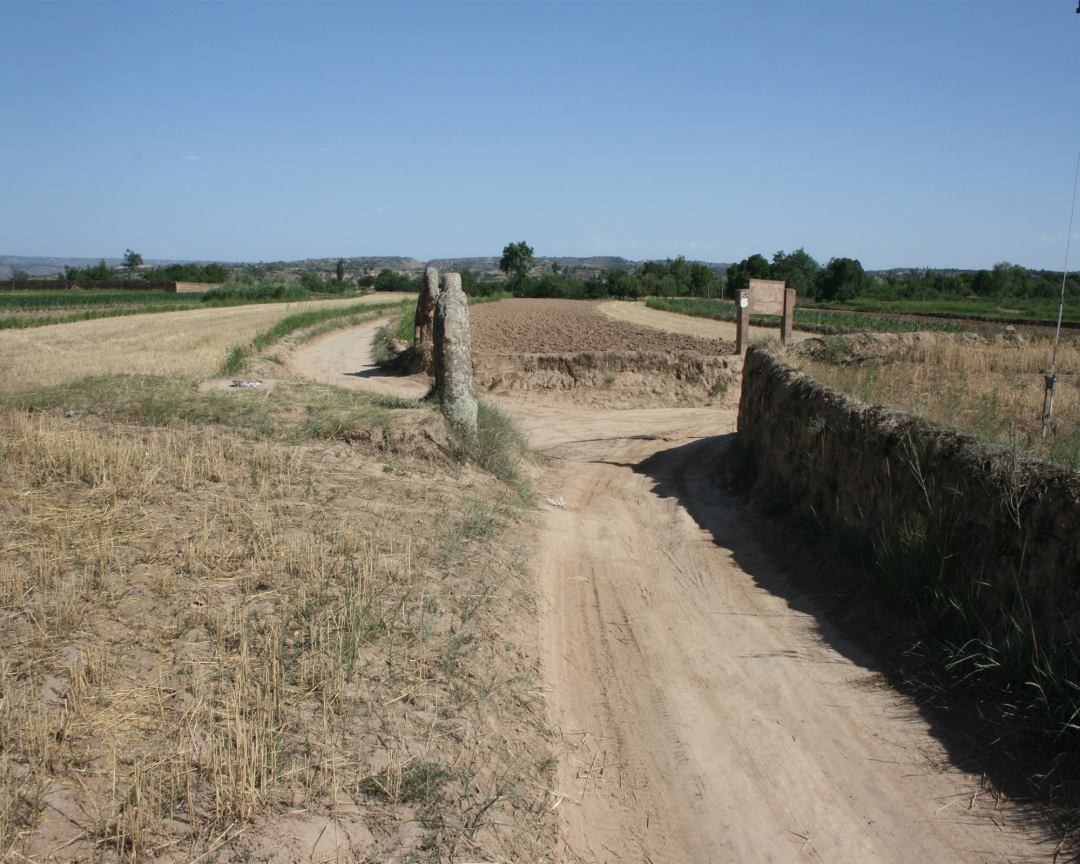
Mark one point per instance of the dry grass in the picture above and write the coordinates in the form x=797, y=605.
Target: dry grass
x=211, y=644
x=191, y=344
x=991, y=389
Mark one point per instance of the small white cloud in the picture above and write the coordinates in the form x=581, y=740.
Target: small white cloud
x=600, y=246
x=192, y=158
x=160, y=125
x=379, y=209
x=325, y=149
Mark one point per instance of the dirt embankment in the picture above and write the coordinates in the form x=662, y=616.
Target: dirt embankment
x=624, y=379
x=1013, y=522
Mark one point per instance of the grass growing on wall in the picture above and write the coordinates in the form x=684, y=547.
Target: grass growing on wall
x=992, y=390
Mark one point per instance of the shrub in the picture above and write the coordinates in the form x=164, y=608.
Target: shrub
x=388, y=280
x=187, y=273
x=261, y=291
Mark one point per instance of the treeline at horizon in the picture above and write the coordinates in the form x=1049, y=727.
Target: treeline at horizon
x=839, y=280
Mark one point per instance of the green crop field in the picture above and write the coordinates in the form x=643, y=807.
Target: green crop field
x=1036, y=309
x=22, y=309
x=815, y=320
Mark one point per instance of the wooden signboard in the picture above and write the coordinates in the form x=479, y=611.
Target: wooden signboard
x=764, y=297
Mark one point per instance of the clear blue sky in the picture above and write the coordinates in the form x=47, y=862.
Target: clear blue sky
x=901, y=133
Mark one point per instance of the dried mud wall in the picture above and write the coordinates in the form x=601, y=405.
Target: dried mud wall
x=655, y=376
x=1015, y=522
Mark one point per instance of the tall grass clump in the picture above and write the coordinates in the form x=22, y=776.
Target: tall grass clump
x=406, y=325
x=498, y=446
x=978, y=641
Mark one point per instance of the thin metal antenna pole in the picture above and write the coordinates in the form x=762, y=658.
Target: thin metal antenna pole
x=1048, y=394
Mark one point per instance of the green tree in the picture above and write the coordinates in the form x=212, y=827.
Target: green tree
x=19, y=276
x=739, y=275
x=517, y=261
x=388, y=280
x=702, y=280
x=840, y=280
x=982, y=284
x=311, y=282
x=99, y=271
x=622, y=284
x=341, y=270
x=187, y=273
x=679, y=271
x=132, y=261
x=1011, y=280
x=798, y=269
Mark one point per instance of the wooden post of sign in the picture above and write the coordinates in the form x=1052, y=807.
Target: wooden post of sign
x=742, y=318
x=789, y=315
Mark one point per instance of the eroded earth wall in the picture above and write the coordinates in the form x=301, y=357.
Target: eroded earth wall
x=1012, y=522
x=653, y=377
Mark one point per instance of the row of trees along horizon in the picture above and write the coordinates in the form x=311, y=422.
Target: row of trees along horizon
x=839, y=280
x=102, y=272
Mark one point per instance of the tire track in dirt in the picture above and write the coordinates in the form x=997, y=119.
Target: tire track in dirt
x=708, y=718
x=708, y=713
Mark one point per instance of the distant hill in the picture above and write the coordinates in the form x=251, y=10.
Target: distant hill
x=367, y=265
x=52, y=266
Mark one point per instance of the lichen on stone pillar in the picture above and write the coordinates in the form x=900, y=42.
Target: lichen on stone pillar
x=452, y=355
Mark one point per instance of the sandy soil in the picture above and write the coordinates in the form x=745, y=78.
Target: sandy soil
x=709, y=713
x=703, y=328
x=568, y=326
x=343, y=358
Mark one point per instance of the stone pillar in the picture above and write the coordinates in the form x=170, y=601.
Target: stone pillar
x=452, y=355
x=421, y=360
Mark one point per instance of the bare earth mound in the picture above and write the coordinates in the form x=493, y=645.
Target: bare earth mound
x=571, y=326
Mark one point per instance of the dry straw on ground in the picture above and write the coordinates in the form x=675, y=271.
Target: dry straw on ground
x=206, y=635
x=992, y=389
x=256, y=626
x=191, y=343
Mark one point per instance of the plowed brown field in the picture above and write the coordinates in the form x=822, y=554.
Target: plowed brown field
x=569, y=326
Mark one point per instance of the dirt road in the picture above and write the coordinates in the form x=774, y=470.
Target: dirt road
x=708, y=714
x=343, y=357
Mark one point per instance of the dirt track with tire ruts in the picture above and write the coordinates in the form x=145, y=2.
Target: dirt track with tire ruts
x=705, y=711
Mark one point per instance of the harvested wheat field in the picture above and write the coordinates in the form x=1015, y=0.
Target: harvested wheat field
x=192, y=343
x=306, y=624
x=991, y=388
x=287, y=624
